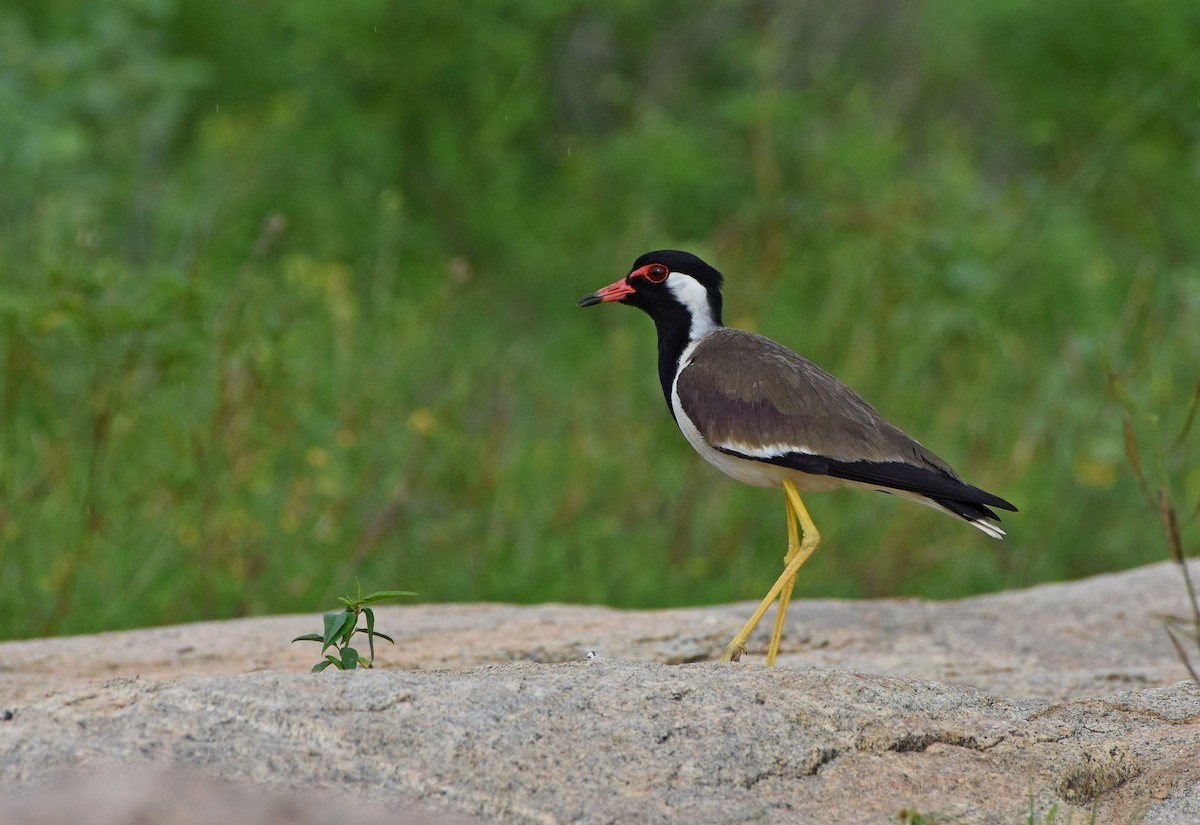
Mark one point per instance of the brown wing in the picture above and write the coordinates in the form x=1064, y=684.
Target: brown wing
x=739, y=383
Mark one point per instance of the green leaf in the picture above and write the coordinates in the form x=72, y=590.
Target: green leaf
x=308, y=637
x=353, y=602
x=319, y=666
x=370, y=630
x=335, y=627
x=386, y=594
x=350, y=658
x=348, y=628
x=335, y=662
x=378, y=635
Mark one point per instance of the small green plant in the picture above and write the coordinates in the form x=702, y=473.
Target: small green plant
x=341, y=625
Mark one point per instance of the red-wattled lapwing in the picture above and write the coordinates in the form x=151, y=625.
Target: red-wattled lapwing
x=761, y=413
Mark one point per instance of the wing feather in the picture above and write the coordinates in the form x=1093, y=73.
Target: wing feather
x=753, y=398
x=738, y=382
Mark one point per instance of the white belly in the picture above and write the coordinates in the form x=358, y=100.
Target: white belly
x=758, y=473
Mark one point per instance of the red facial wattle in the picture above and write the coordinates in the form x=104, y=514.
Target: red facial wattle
x=654, y=273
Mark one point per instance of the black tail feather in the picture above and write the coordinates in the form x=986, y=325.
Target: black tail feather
x=969, y=510
x=949, y=491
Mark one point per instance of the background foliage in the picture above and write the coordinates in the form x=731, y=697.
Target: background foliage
x=287, y=290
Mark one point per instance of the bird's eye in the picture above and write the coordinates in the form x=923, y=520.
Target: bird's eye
x=657, y=273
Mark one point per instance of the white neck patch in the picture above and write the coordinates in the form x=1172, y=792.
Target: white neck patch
x=694, y=297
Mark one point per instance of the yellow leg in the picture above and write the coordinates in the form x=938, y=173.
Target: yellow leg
x=785, y=595
x=798, y=553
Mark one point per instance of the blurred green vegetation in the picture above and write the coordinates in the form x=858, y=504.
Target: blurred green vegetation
x=287, y=290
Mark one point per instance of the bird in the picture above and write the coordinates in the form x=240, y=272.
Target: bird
x=768, y=417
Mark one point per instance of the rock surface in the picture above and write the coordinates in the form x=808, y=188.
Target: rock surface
x=970, y=711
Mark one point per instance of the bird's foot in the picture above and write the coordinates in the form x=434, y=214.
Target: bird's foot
x=733, y=652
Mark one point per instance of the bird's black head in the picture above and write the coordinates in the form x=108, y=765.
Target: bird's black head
x=680, y=292
x=670, y=286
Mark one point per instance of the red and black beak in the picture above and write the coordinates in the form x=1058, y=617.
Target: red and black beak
x=613, y=292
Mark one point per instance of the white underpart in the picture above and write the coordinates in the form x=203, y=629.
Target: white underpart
x=694, y=297
x=764, y=450
x=987, y=527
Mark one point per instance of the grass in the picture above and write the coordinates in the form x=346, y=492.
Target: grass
x=276, y=290
x=1166, y=463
